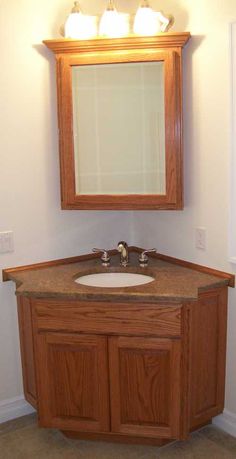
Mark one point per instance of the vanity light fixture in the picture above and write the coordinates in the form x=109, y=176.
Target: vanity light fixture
x=112, y=23
x=149, y=22
x=79, y=25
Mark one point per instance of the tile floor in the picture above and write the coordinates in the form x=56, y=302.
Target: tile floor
x=22, y=439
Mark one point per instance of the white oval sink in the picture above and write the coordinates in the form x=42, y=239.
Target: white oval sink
x=114, y=279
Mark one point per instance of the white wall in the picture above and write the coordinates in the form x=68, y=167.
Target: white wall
x=207, y=143
x=29, y=172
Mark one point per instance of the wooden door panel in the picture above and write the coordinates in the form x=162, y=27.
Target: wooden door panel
x=73, y=382
x=149, y=381
x=145, y=386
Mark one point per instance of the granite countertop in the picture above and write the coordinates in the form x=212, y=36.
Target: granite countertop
x=172, y=282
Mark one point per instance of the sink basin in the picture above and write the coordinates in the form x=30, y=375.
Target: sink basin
x=116, y=279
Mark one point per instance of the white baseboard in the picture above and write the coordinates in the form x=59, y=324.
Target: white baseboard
x=14, y=408
x=226, y=422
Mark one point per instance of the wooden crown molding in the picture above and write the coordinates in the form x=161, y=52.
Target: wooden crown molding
x=164, y=40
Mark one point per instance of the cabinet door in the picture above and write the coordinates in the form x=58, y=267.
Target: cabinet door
x=145, y=386
x=72, y=377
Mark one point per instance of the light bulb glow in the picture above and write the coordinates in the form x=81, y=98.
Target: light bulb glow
x=145, y=22
x=80, y=26
x=109, y=24
x=124, y=24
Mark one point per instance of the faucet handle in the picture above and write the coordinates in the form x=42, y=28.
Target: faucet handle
x=105, y=258
x=143, y=258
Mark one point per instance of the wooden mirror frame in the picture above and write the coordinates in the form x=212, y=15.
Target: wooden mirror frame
x=164, y=47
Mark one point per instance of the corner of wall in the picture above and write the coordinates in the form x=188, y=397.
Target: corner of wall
x=14, y=408
x=227, y=422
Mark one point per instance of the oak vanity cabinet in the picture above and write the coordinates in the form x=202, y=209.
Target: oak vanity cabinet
x=124, y=371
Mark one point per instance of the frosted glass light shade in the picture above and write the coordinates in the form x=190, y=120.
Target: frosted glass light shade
x=73, y=25
x=163, y=21
x=80, y=26
x=108, y=23
x=112, y=23
x=145, y=22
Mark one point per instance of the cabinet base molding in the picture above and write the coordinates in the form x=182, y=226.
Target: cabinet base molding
x=116, y=438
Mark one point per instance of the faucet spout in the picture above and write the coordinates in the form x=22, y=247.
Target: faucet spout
x=122, y=247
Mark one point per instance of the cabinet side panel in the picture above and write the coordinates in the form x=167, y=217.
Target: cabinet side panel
x=27, y=349
x=207, y=356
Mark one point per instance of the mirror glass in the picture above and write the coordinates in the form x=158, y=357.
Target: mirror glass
x=119, y=128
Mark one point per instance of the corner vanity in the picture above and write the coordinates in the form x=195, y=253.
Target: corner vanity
x=142, y=364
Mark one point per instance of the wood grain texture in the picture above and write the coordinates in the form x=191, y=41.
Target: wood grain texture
x=108, y=318
x=207, y=356
x=184, y=374
x=145, y=386
x=163, y=40
x=172, y=130
x=27, y=350
x=72, y=378
x=166, y=48
x=149, y=374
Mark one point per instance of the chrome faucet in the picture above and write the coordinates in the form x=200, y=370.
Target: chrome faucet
x=122, y=247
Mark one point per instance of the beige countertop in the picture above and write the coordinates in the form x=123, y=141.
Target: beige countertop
x=172, y=282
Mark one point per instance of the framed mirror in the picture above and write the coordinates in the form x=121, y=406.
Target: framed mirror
x=120, y=122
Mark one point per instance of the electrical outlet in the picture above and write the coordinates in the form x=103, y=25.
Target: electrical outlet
x=6, y=242
x=200, y=238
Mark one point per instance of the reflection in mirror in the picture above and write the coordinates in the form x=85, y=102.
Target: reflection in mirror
x=119, y=128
